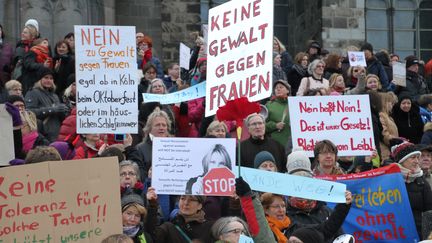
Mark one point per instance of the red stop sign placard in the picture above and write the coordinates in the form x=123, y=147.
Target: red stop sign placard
x=219, y=182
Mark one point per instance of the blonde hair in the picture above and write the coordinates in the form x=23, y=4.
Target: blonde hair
x=29, y=119
x=333, y=77
x=141, y=210
x=369, y=76
x=32, y=30
x=157, y=112
x=386, y=98
x=149, y=89
x=12, y=84
x=281, y=46
x=215, y=124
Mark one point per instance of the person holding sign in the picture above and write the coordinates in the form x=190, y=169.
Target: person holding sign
x=217, y=157
x=316, y=80
x=415, y=83
x=374, y=66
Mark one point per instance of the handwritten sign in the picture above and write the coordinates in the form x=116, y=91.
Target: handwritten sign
x=185, y=56
x=399, y=74
x=61, y=201
x=291, y=185
x=6, y=139
x=240, y=47
x=380, y=211
x=357, y=58
x=193, y=92
x=345, y=120
x=179, y=165
x=106, y=79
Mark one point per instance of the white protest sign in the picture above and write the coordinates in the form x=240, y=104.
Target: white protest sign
x=399, y=74
x=185, y=56
x=240, y=47
x=345, y=120
x=106, y=78
x=357, y=58
x=193, y=166
x=7, y=149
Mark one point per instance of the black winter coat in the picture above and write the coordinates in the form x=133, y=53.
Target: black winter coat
x=420, y=198
x=251, y=147
x=409, y=124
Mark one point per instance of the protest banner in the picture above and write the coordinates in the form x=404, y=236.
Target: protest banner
x=245, y=239
x=345, y=120
x=60, y=201
x=240, y=47
x=179, y=165
x=357, y=58
x=106, y=79
x=7, y=149
x=193, y=92
x=185, y=56
x=380, y=210
x=291, y=185
x=399, y=74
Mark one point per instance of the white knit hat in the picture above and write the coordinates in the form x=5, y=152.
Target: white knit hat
x=298, y=161
x=32, y=22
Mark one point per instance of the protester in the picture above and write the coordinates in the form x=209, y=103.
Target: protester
x=133, y=217
x=90, y=147
x=425, y=103
x=278, y=72
x=390, y=130
x=64, y=66
x=325, y=157
x=42, y=154
x=28, y=34
x=373, y=83
x=229, y=229
x=6, y=55
x=217, y=129
x=374, y=66
x=415, y=83
x=316, y=79
x=406, y=115
x=145, y=55
x=426, y=161
x=427, y=134
x=117, y=238
x=14, y=87
x=353, y=75
x=173, y=75
x=265, y=161
x=298, y=71
x=333, y=65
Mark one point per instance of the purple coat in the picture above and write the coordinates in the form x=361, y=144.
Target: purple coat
x=6, y=55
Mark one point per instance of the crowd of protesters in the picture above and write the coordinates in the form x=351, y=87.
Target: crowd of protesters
x=37, y=86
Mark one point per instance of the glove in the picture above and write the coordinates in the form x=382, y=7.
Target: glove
x=14, y=112
x=17, y=162
x=242, y=187
x=61, y=108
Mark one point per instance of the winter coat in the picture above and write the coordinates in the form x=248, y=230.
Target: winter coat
x=415, y=86
x=296, y=74
x=374, y=66
x=278, y=73
x=427, y=138
x=188, y=117
x=420, y=198
x=329, y=71
x=251, y=147
x=68, y=126
x=145, y=151
x=409, y=124
x=6, y=55
x=30, y=71
x=389, y=131
x=309, y=83
x=43, y=103
x=86, y=151
x=425, y=115
x=277, y=108
x=142, y=236
x=66, y=68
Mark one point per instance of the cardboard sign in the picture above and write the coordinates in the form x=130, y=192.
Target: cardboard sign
x=291, y=185
x=357, y=58
x=345, y=120
x=399, y=74
x=240, y=50
x=180, y=164
x=61, y=201
x=7, y=149
x=185, y=56
x=106, y=79
x=193, y=92
x=380, y=210
x=219, y=181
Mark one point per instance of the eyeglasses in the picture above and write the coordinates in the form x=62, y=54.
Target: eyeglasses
x=320, y=66
x=279, y=206
x=130, y=174
x=236, y=231
x=256, y=124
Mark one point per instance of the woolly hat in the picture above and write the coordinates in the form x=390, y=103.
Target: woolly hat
x=131, y=198
x=366, y=46
x=309, y=235
x=298, y=161
x=403, y=151
x=32, y=22
x=66, y=150
x=43, y=71
x=411, y=60
x=284, y=83
x=315, y=44
x=261, y=157
x=14, y=98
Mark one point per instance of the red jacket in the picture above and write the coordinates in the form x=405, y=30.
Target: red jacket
x=68, y=126
x=84, y=151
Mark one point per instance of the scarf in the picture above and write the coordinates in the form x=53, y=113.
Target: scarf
x=198, y=216
x=29, y=140
x=131, y=231
x=302, y=204
x=277, y=226
x=42, y=54
x=408, y=175
x=339, y=89
x=147, y=57
x=300, y=70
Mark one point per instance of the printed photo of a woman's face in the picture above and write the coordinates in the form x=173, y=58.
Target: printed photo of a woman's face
x=217, y=157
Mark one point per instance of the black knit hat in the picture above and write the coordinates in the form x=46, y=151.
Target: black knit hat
x=403, y=151
x=309, y=235
x=43, y=71
x=263, y=156
x=13, y=98
x=367, y=46
x=411, y=60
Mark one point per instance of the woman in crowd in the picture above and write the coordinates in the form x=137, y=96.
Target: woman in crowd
x=277, y=122
x=229, y=229
x=333, y=65
x=406, y=115
x=23, y=46
x=390, y=129
x=325, y=159
x=14, y=87
x=90, y=147
x=419, y=191
x=133, y=216
x=353, y=75
x=278, y=73
x=145, y=55
x=264, y=160
x=217, y=129
x=43, y=101
x=298, y=71
x=373, y=83
x=316, y=79
x=286, y=59
x=6, y=55
x=64, y=65
x=149, y=71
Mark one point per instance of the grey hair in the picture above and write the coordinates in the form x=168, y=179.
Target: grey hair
x=149, y=89
x=252, y=116
x=134, y=165
x=157, y=112
x=312, y=65
x=220, y=226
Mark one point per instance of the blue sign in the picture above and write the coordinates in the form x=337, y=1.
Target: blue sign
x=193, y=92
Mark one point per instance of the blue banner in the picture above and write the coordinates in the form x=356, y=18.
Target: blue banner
x=193, y=92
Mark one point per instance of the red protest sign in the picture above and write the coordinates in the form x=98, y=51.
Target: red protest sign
x=219, y=182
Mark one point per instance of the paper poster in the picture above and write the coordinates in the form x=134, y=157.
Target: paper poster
x=380, y=211
x=240, y=52
x=291, y=185
x=185, y=55
x=345, y=120
x=60, y=201
x=185, y=166
x=191, y=93
x=106, y=78
x=399, y=74
x=357, y=58
x=7, y=149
